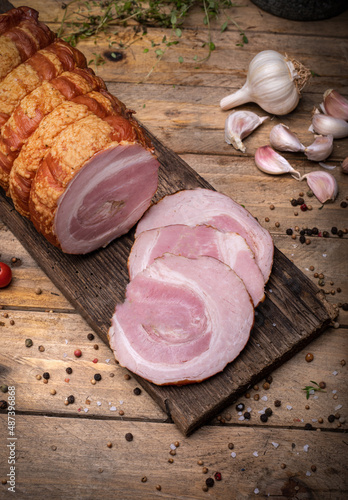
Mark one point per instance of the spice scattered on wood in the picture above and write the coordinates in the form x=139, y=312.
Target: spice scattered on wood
x=96, y=347
x=41, y=348
x=331, y=418
x=240, y=407
x=38, y=291
x=77, y=353
x=53, y=392
x=158, y=487
x=38, y=377
x=200, y=462
x=205, y=470
x=46, y=375
x=97, y=377
x=247, y=415
x=137, y=391
x=144, y=479
x=217, y=476
x=69, y=371
x=28, y=343
x=277, y=403
x=109, y=444
x=4, y=388
x=3, y=404
x=71, y=400
x=209, y=482
x=309, y=357
x=129, y=437
x=263, y=417
x=90, y=336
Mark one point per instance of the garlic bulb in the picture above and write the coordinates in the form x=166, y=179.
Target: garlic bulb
x=240, y=124
x=283, y=139
x=328, y=125
x=270, y=162
x=335, y=105
x=323, y=185
x=274, y=82
x=344, y=166
x=320, y=149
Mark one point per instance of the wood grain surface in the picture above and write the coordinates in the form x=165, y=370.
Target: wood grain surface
x=179, y=104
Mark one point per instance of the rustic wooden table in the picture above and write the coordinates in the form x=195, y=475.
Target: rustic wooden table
x=64, y=451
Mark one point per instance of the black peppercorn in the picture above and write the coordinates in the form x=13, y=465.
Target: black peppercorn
x=90, y=336
x=137, y=391
x=289, y=231
x=209, y=482
x=129, y=436
x=302, y=239
x=344, y=204
x=340, y=233
x=46, y=375
x=334, y=230
x=315, y=230
x=294, y=202
x=309, y=232
x=308, y=427
x=277, y=403
x=97, y=377
x=331, y=418
x=300, y=201
x=71, y=400
x=240, y=407
x=269, y=379
x=28, y=343
x=268, y=412
x=263, y=417
x=345, y=306
x=326, y=234
x=247, y=415
x=302, y=232
x=3, y=404
x=69, y=371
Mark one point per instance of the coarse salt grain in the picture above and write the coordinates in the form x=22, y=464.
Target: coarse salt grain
x=66, y=341
x=308, y=473
x=288, y=407
x=270, y=290
x=274, y=324
x=172, y=446
x=275, y=444
x=241, y=418
x=249, y=409
x=107, y=361
x=98, y=403
x=121, y=402
x=338, y=407
x=256, y=491
x=335, y=373
x=233, y=454
x=314, y=420
x=65, y=355
x=255, y=454
x=264, y=398
x=240, y=413
x=324, y=254
x=316, y=397
x=85, y=410
x=334, y=391
x=112, y=408
x=305, y=448
x=312, y=391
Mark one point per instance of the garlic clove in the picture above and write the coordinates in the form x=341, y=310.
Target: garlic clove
x=323, y=185
x=283, y=139
x=239, y=125
x=328, y=125
x=270, y=162
x=344, y=166
x=320, y=149
x=274, y=82
x=335, y=105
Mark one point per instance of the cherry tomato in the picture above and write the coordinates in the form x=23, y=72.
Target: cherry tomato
x=5, y=275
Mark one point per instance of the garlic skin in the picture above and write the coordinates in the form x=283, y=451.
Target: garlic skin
x=283, y=139
x=335, y=105
x=320, y=149
x=240, y=124
x=270, y=162
x=274, y=82
x=328, y=125
x=323, y=185
x=344, y=166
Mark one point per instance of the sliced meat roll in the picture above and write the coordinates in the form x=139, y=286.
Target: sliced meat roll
x=45, y=64
x=39, y=143
x=183, y=320
x=20, y=42
x=204, y=206
x=31, y=110
x=94, y=184
x=14, y=16
x=192, y=242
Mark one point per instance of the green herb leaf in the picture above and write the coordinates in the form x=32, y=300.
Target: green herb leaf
x=224, y=27
x=178, y=32
x=181, y=59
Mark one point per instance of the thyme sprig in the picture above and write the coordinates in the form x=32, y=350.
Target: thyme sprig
x=310, y=388
x=84, y=19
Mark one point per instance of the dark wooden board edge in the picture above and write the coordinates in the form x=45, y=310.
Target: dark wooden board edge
x=95, y=297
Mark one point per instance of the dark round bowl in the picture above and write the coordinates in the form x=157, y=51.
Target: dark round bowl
x=303, y=10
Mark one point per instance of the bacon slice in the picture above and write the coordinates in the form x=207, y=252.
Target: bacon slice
x=46, y=64
x=183, y=320
x=192, y=242
x=204, y=206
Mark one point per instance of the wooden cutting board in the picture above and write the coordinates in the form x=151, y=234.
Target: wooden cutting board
x=293, y=314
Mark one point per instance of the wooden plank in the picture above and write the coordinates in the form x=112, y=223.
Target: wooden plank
x=69, y=457
x=60, y=334
x=95, y=298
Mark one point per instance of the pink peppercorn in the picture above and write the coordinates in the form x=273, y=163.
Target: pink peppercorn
x=95, y=360
x=217, y=476
x=78, y=353
x=304, y=207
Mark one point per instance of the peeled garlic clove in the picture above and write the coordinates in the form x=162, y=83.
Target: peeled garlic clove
x=323, y=185
x=274, y=82
x=283, y=139
x=270, y=162
x=239, y=125
x=320, y=149
x=344, y=166
x=335, y=104
x=328, y=125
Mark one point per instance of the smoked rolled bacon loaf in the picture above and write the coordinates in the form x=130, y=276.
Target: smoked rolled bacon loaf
x=72, y=157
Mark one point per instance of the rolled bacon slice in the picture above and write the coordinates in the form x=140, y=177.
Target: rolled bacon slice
x=94, y=184
x=204, y=206
x=192, y=242
x=183, y=320
x=14, y=16
x=34, y=107
x=46, y=64
x=20, y=42
x=39, y=143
